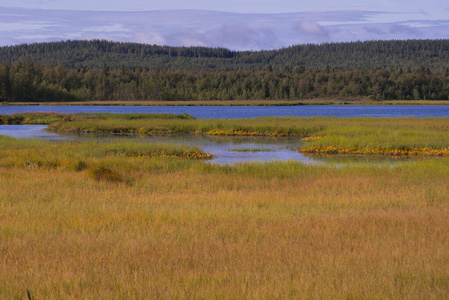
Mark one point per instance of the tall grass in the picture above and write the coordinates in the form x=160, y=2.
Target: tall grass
x=351, y=132
x=389, y=133
x=152, y=126
x=179, y=228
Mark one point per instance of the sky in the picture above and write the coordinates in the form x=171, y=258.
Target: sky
x=232, y=24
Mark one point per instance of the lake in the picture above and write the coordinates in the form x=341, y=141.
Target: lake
x=239, y=112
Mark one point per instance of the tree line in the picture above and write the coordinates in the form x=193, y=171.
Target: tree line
x=29, y=81
x=433, y=54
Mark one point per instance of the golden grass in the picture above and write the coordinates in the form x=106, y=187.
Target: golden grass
x=184, y=229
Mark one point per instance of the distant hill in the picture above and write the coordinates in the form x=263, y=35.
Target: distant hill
x=411, y=54
x=102, y=70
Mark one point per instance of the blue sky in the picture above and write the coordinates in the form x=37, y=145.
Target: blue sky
x=233, y=24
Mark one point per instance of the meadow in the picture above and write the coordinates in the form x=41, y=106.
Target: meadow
x=131, y=220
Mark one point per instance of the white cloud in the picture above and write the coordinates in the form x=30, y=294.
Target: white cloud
x=108, y=28
x=214, y=29
x=152, y=38
x=311, y=28
x=403, y=29
x=188, y=42
x=24, y=26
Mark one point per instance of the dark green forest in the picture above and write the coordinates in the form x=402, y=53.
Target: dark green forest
x=432, y=54
x=101, y=70
x=29, y=81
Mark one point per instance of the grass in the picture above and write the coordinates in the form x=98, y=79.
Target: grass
x=147, y=124
x=389, y=132
x=384, y=136
x=89, y=220
x=396, y=137
x=73, y=155
x=46, y=118
x=39, y=118
x=322, y=135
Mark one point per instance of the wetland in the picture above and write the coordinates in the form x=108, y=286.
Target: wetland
x=105, y=213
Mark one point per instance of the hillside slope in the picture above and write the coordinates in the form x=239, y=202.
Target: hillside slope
x=432, y=54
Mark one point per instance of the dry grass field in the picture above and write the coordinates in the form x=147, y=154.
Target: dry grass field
x=80, y=220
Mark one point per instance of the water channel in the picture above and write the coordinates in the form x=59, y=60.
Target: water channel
x=227, y=150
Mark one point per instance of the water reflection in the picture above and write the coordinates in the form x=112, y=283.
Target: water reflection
x=30, y=132
x=227, y=150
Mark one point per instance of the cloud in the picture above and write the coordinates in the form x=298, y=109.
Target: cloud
x=187, y=41
x=310, y=28
x=152, y=38
x=241, y=36
x=212, y=28
x=24, y=26
x=403, y=29
x=108, y=28
x=376, y=30
x=237, y=37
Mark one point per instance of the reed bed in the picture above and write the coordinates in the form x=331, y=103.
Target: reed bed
x=81, y=220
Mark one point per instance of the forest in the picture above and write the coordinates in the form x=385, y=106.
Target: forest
x=433, y=54
x=101, y=70
x=34, y=82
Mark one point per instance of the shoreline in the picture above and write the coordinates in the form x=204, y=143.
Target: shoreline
x=233, y=103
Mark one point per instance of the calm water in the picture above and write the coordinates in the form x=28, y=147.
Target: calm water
x=226, y=150
x=232, y=112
